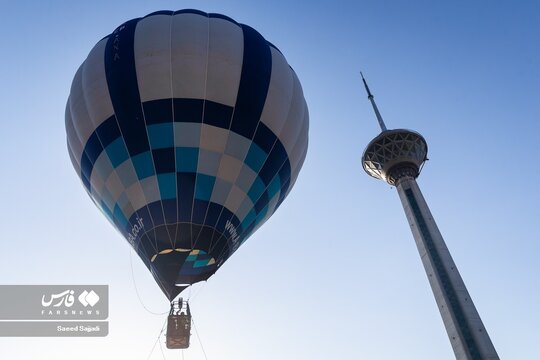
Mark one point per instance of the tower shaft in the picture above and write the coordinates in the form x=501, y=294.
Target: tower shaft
x=467, y=334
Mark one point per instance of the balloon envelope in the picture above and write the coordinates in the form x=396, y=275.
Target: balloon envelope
x=188, y=130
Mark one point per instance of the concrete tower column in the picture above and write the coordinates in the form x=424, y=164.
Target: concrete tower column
x=465, y=329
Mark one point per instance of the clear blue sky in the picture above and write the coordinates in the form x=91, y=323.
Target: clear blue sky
x=464, y=74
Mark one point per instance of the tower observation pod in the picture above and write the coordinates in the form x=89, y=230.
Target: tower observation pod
x=396, y=157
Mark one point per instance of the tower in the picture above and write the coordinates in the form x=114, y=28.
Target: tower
x=397, y=156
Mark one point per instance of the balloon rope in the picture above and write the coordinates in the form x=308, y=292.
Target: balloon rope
x=137, y=290
x=202, y=121
x=162, y=353
x=155, y=342
x=197, y=292
x=198, y=338
x=173, y=114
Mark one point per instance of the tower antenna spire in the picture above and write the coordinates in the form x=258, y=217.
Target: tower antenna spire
x=375, y=108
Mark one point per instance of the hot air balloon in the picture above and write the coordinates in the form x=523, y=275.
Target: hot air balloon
x=187, y=130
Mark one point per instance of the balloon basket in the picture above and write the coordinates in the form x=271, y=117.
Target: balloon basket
x=179, y=325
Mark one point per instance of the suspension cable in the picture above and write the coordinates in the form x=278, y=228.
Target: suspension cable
x=197, y=292
x=198, y=338
x=162, y=353
x=155, y=342
x=137, y=290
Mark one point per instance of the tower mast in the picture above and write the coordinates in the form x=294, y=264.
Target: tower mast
x=375, y=108
x=396, y=157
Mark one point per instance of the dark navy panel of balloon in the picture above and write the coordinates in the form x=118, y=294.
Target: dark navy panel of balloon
x=188, y=130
